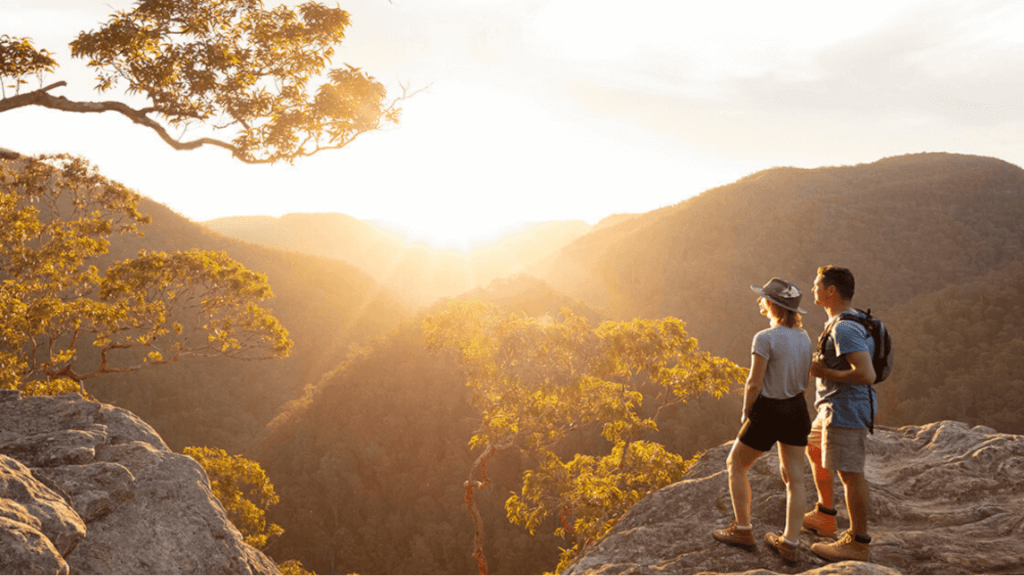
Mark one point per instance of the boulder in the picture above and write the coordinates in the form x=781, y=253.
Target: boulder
x=27, y=500
x=26, y=550
x=945, y=499
x=95, y=489
x=92, y=489
x=185, y=529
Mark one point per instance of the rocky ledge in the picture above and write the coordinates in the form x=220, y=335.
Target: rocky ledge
x=89, y=488
x=946, y=499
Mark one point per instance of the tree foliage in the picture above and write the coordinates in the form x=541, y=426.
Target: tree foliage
x=231, y=66
x=244, y=490
x=62, y=321
x=19, y=58
x=537, y=383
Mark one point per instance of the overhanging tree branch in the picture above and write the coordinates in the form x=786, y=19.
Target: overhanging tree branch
x=43, y=98
x=195, y=61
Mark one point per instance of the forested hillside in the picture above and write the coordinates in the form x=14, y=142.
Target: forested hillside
x=962, y=354
x=370, y=464
x=415, y=273
x=906, y=226
x=325, y=304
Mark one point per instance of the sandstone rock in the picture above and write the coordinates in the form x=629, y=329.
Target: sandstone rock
x=21, y=491
x=853, y=568
x=94, y=489
x=185, y=530
x=106, y=494
x=946, y=499
x=56, y=448
x=25, y=550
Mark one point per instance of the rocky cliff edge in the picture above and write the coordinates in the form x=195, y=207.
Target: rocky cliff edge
x=945, y=499
x=89, y=488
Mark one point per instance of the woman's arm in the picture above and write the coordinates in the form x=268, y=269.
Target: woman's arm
x=755, y=380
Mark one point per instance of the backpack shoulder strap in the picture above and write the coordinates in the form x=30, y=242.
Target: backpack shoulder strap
x=827, y=330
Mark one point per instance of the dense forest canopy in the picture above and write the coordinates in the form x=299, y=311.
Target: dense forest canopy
x=962, y=354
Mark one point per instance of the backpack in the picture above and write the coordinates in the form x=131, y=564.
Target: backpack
x=881, y=360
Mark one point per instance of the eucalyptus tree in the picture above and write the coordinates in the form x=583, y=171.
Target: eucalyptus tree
x=63, y=320
x=544, y=387
x=252, y=80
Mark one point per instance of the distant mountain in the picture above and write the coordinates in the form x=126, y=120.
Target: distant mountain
x=905, y=226
x=418, y=274
x=325, y=304
x=331, y=235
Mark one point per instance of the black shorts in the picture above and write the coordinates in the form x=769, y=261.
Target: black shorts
x=772, y=421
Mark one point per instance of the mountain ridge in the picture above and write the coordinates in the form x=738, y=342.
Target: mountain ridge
x=698, y=257
x=420, y=274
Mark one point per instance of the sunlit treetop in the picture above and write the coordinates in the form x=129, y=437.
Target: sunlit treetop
x=63, y=320
x=255, y=81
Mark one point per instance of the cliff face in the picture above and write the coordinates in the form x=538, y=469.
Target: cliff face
x=91, y=489
x=945, y=499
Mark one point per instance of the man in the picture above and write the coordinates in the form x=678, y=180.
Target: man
x=845, y=403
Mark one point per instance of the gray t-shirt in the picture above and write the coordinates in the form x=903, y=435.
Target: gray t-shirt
x=788, y=352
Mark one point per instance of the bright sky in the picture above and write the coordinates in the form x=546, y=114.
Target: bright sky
x=578, y=109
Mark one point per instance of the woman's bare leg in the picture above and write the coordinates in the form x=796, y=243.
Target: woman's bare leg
x=792, y=459
x=740, y=459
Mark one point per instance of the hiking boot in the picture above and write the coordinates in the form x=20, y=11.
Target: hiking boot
x=782, y=547
x=846, y=548
x=820, y=523
x=735, y=537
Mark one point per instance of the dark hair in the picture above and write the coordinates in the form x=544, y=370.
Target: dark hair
x=841, y=278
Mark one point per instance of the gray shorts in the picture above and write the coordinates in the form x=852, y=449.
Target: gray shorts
x=842, y=449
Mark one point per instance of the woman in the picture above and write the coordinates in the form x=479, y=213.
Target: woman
x=774, y=410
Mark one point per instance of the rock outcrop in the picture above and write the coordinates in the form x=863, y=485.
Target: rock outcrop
x=88, y=488
x=946, y=499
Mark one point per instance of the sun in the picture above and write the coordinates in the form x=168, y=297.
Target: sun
x=460, y=232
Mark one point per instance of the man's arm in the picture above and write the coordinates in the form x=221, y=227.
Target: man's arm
x=861, y=372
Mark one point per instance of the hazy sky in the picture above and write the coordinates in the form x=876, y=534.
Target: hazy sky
x=577, y=109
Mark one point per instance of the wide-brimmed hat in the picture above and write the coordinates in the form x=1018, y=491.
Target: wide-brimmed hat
x=782, y=292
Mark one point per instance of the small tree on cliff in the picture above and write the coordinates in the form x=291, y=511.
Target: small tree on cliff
x=231, y=66
x=62, y=321
x=537, y=382
x=243, y=488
